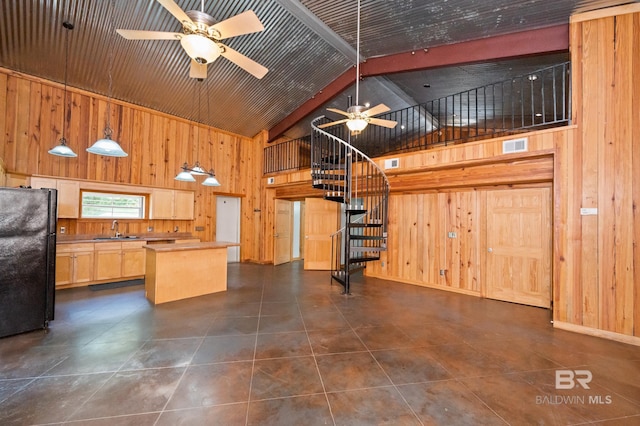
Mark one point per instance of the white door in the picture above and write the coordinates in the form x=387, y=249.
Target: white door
x=228, y=224
x=282, y=235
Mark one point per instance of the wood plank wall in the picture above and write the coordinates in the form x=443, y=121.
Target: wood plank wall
x=442, y=190
x=31, y=114
x=597, y=260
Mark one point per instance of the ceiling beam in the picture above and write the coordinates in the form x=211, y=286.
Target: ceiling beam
x=314, y=23
x=533, y=42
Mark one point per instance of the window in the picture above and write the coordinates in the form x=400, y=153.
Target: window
x=102, y=205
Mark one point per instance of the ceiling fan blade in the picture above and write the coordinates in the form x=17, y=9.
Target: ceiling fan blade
x=378, y=109
x=337, y=111
x=382, y=122
x=249, y=65
x=198, y=70
x=175, y=10
x=244, y=23
x=148, y=35
x=333, y=123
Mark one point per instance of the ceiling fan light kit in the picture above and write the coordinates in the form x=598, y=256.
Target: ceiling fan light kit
x=200, y=48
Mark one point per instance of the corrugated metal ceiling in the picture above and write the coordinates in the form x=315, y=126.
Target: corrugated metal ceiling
x=301, y=61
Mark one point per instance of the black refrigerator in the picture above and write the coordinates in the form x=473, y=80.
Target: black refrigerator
x=27, y=259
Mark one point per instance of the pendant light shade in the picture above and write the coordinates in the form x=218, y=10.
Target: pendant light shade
x=211, y=180
x=197, y=170
x=200, y=48
x=185, y=175
x=357, y=124
x=63, y=150
x=107, y=146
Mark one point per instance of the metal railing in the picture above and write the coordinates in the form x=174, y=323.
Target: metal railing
x=536, y=100
x=294, y=154
x=351, y=178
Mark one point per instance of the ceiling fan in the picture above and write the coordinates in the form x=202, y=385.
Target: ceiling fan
x=358, y=116
x=201, y=35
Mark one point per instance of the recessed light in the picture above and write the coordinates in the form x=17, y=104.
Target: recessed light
x=367, y=104
x=533, y=77
x=538, y=114
x=426, y=85
x=402, y=126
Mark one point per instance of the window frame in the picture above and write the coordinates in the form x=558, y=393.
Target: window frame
x=144, y=198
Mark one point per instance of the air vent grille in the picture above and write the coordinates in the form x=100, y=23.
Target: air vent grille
x=514, y=145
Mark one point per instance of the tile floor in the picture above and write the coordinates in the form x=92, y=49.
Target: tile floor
x=283, y=347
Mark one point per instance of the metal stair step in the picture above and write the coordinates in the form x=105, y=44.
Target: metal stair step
x=367, y=237
x=364, y=225
x=355, y=211
x=337, y=198
x=366, y=249
x=329, y=186
x=327, y=176
x=363, y=259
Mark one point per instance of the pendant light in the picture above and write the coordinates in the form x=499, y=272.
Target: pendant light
x=63, y=150
x=187, y=173
x=106, y=146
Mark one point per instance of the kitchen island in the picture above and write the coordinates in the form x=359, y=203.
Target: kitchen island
x=180, y=271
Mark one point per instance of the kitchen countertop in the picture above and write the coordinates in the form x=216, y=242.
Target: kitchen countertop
x=71, y=239
x=190, y=246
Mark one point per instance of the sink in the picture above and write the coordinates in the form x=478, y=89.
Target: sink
x=121, y=237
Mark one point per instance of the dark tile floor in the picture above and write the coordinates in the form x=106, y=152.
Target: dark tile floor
x=283, y=347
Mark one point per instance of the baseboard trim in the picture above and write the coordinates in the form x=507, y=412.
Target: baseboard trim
x=610, y=335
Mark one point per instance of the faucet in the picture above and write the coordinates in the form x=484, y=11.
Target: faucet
x=114, y=226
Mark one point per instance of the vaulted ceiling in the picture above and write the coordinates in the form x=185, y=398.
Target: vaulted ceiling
x=307, y=45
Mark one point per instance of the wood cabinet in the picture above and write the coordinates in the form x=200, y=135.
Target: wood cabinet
x=172, y=204
x=68, y=195
x=108, y=260
x=118, y=260
x=74, y=264
x=133, y=259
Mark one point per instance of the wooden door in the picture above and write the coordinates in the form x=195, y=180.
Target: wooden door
x=68, y=199
x=133, y=259
x=282, y=232
x=108, y=261
x=64, y=268
x=519, y=246
x=83, y=265
x=320, y=221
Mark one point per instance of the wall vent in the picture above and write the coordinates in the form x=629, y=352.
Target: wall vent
x=392, y=163
x=514, y=145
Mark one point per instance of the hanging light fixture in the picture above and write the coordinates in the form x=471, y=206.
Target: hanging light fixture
x=107, y=146
x=63, y=150
x=200, y=48
x=186, y=174
x=357, y=123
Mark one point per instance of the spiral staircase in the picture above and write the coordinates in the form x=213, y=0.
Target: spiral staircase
x=347, y=176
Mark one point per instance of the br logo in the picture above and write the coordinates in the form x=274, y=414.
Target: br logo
x=569, y=379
